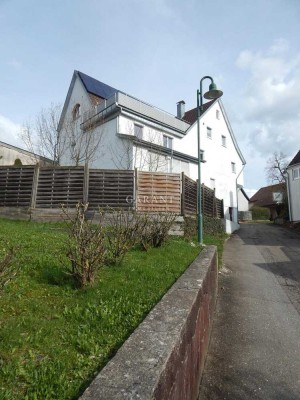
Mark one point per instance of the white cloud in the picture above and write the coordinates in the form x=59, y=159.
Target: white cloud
x=9, y=131
x=14, y=63
x=271, y=105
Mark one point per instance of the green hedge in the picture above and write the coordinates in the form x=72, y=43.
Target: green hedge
x=260, y=213
x=211, y=226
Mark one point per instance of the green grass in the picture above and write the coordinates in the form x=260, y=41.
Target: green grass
x=218, y=240
x=54, y=337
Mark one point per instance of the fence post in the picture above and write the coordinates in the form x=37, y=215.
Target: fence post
x=85, y=195
x=182, y=193
x=35, y=185
x=135, y=190
x=214, y=210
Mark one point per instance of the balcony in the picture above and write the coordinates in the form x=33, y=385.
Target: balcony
x=135, y=106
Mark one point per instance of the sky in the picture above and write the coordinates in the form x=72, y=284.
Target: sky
x=158, y=50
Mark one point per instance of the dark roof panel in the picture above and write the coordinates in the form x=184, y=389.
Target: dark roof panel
x=295, y=160
x=95, y=87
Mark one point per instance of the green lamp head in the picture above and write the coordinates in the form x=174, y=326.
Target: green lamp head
x=213, y=92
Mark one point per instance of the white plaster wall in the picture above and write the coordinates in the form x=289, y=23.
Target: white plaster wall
x=294, y=196
x=9, y=156
x=151, y=133
x=218, y=158
x=243, y=203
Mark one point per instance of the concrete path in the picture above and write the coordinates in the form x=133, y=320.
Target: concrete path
x=255, y=344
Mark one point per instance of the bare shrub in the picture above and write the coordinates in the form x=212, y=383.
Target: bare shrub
x=155, y=232
x=123, y=233
x=85, y=246
x=7, y=271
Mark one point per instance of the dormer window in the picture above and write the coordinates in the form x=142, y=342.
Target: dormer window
x=76, y=111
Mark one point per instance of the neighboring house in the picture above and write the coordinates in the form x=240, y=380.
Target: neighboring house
x=271, y=197
x=135, y=134
x=12, y=155
x=293, y=188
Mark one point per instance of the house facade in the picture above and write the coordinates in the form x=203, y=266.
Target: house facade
x=293, y=188
x=111, y=129
x=12, y=155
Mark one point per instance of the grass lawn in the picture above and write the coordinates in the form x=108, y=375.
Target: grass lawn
x=55, y=337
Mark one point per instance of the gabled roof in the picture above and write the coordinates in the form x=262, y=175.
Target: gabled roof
x=96, y=87
x=295, y=160
x=264, y=196
x=192, y=115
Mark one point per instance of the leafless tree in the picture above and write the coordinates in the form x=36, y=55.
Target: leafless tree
x=275, y=168
x=41, y=136
x=83, y=137
x=78, y=137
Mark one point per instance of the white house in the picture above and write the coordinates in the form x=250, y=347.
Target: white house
x=112, y=129
x=293, y=188
x=12, y=155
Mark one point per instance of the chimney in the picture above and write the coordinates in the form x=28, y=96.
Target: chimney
x=180, y=109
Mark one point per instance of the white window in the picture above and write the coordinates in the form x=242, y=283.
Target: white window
x=296, y=173
x=168, y=142
x=233, y=168
x=201, y=155
x=217, y=114
x=223, y=140
x=138, y=131
x=209, y=134
x=212, y=183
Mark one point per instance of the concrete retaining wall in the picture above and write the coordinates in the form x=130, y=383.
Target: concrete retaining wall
x=164, y=357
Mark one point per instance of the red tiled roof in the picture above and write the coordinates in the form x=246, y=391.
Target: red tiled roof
x=295, y=160
x=191, y=115
x=264, y=196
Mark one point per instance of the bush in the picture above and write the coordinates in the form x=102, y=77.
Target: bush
x=211, y=226
x=85, y=246
x=260, y=213
x=156, y=229
x=124, y=231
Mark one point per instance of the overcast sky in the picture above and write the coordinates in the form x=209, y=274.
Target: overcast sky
x=158, y=50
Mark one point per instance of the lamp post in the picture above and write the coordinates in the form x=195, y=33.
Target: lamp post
x=212, y=94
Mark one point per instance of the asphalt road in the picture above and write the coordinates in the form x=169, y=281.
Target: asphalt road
x=254, y=351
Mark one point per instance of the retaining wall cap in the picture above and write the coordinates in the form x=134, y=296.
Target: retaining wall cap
x=135, y=370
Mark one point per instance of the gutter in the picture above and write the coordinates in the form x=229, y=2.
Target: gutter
x=289, y=196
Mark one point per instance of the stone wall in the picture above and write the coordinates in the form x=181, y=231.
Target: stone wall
x=164, y=357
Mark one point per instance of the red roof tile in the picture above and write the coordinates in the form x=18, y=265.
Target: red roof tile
x=264, y=196
x=191, y=115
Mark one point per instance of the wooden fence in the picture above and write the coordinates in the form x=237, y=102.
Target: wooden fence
x=49, y=187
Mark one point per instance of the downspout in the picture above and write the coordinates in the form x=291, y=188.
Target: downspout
x=237, y=190
x=289, y=195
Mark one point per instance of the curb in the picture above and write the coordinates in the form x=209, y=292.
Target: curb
x=164, y=357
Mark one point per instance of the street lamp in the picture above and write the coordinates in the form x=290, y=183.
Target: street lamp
x=212, y=94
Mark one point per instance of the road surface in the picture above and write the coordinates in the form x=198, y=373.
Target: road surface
x=254, y=351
